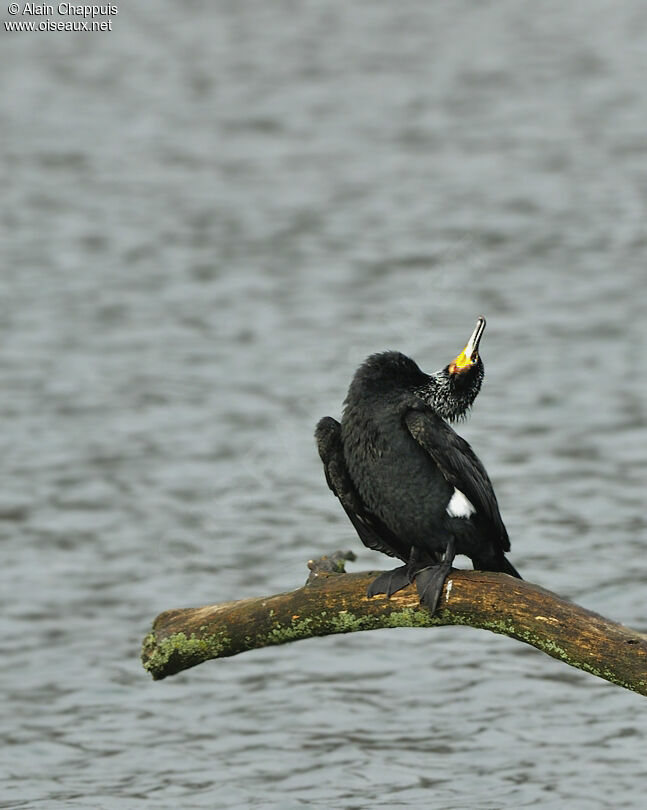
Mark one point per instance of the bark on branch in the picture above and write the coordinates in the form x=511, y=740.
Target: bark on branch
x=336, y=602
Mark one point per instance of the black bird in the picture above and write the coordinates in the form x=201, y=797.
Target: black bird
x=411, y=486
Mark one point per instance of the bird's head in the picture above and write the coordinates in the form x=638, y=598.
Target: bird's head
x=452, y=390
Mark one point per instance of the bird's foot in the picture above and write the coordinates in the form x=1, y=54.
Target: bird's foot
x=430, y=581
x=431, y=578
x=390, y=582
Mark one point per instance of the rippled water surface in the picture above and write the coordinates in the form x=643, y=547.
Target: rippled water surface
x=211, y=215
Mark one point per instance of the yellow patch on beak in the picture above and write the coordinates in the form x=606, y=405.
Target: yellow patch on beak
x=462, y=363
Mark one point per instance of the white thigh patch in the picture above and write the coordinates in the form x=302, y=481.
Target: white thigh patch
x=459, y=506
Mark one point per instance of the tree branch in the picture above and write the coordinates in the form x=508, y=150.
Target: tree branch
x=336, y=602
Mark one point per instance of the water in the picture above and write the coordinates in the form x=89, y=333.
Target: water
x=212, y=215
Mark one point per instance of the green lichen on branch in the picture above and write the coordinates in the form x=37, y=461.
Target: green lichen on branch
x=177, y=652
x=327, y=623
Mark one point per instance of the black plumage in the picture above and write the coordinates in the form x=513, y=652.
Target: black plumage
x=410, y=485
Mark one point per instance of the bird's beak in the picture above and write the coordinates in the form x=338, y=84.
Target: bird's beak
x=469, y=356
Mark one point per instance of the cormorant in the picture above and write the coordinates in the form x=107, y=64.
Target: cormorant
x=411, y=486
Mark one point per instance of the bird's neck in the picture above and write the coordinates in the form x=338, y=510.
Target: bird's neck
x=447, y=397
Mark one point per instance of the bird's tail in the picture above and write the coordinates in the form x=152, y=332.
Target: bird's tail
x=501, y=564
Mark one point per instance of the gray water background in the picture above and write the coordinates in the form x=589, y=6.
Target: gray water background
x=210, y=216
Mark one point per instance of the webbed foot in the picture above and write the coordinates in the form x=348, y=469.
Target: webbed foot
x=390, y=582
x=431, y=578
x=430, y=581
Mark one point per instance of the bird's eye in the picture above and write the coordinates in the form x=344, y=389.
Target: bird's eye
x=475, y=358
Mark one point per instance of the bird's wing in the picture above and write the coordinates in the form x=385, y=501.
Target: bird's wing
x=371, y=530
x=461, y=468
